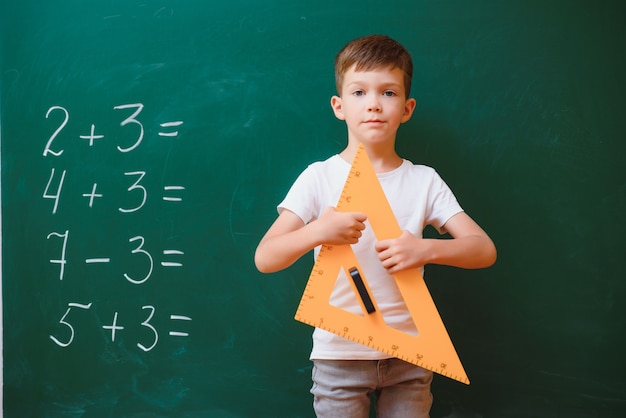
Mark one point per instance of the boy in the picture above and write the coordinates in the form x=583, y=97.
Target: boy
x=373, y=80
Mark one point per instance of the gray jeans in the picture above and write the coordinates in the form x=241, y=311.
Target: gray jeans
x=342, y=388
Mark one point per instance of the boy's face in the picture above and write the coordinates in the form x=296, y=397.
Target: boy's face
x=373, y=104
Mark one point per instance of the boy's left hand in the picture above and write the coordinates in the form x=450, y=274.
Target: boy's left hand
x=406, y=251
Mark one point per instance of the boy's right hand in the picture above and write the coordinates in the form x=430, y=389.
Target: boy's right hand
x=338, y=228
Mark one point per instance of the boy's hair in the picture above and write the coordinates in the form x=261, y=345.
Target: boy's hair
x=370, y=53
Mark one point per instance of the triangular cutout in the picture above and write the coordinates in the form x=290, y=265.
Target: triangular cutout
x=340, y=297
x=431, y=348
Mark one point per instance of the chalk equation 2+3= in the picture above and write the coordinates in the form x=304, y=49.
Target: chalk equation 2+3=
x=168, y=129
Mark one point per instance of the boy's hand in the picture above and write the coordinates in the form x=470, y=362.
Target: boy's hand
x=338, y=228
x=406, y=251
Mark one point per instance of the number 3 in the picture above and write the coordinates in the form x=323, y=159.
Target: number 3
x=136, y=186
x=140, y=249
x=147, y=324
x=131, y=119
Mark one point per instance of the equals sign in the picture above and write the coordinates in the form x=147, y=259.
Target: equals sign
x=170, y=263
x=172, y=189
x=170, y=125
x=179, y=318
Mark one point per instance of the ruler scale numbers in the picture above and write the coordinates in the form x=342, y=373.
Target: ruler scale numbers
x=432, y=348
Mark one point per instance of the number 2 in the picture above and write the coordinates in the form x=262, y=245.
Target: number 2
x=47, y=149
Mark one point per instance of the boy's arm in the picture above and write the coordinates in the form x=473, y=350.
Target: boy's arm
x=470, y=248
x=289, y=238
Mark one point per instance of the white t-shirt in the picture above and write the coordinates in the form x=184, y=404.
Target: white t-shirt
x=417, y=196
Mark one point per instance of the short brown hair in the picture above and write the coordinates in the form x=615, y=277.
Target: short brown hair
x=373, y=52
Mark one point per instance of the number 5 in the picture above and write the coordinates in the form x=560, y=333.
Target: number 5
x=67, y=324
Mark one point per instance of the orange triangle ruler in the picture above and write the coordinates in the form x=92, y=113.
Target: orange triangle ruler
x=431, y=348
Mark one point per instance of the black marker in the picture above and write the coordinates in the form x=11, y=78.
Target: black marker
x=365, y=297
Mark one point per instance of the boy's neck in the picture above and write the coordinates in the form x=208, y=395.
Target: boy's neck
x=383, y=158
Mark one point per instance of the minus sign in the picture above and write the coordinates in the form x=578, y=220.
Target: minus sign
x=179, y=334
x=97, y=260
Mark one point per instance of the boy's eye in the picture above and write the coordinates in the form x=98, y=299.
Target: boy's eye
x=389, y=93
x=358, y=92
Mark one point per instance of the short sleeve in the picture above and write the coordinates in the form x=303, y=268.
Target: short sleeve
x=300, y=198
x=443, y=205
x=317, y=187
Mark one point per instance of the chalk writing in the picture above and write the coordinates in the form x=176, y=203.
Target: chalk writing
x=47, y=150
x=54, y=190
x=132, y=123
x=62, y=261
x=171, y=257
x=139, y=188
x=68, y=325
x=46, y=192
x=129, y=120
x=170, y=125
x=66, y=334
x=60, y=188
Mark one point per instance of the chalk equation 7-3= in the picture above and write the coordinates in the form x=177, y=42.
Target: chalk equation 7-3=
x=171, y=257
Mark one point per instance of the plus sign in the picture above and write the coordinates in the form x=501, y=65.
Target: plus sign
x=113, y=327
x=92, y=135
x=92, y=195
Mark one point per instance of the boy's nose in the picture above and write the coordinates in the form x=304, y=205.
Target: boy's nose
x=374, y=106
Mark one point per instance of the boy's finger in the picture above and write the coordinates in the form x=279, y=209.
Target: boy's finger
x=360, y=216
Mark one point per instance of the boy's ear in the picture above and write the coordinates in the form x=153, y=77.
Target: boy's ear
x=409, y=107
x=335, y=103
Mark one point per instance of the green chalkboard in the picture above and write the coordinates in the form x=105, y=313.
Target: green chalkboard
x=145, y=145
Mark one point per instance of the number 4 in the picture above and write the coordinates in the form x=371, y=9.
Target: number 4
x=46, y=193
